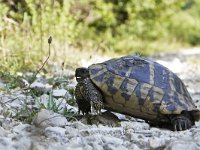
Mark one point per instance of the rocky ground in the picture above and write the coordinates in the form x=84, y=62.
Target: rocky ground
x=27, y=121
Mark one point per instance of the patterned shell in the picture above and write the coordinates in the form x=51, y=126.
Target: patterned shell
x=134, y=82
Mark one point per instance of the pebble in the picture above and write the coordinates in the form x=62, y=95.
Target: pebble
x=22, y=129
x=46, y=118
x=182, y=145
x=60, y=93
x=57, y=133
x=157, y=143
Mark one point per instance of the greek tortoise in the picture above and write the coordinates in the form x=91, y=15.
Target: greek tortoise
x=138, y=87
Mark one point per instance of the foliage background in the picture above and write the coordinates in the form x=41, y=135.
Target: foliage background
x=82, y=28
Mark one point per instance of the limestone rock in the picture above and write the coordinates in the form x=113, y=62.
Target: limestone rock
x=46, y=118
x=60, y=93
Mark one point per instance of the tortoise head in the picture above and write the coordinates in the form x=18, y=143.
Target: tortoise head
x=81, y=74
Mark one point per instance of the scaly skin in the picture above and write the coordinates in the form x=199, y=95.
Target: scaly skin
x=88, y=96
x=92, y=94
x=84, y=106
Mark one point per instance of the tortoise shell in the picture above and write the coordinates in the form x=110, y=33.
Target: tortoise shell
x=140, y=87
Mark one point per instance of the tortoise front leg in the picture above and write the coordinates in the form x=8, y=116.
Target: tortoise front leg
x=93, y=95
x=83, y=105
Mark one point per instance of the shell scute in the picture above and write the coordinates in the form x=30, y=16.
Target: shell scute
x=161, y=77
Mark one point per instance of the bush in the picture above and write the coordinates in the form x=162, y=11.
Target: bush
x=130, y=27
x=116, y=26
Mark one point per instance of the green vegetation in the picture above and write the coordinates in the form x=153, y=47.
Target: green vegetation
x=28, y=109
x=95, y=26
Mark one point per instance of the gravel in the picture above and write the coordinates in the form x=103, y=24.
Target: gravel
x=51, y=130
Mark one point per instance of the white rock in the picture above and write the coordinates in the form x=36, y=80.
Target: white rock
x=78, y=143
x=121, y=116
x=96, y=146
x=61, y=103
x=116, y=131
x=114, y=147
x=44, y=99
x=3, y=132
x=37, y=85
x=197, y=139
x=55, y=131
x=139, y=137
x=9, y=123
x=23, y=129
x=112, y=140
x=71, y=132
x=57, y=146
x=71, y=84
x=183, y=135
x=6, y=144
x=72, y=108
x=24, y=83
x=137, y=126
x=196, y=135
x=16, y=104
x=183, y=145
x=23, y=143
x=40, y=87
x=13, y=102
x=134, y=147
x=78, y=125
x=2, y=109
x=39, y=146
x=60, y=93
x=46, y=118
x=7, y=99
x=95, y=138
x=156, y=143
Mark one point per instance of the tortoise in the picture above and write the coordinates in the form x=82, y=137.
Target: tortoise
x=138, y=87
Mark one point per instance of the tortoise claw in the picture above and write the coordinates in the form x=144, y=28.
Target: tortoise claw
x=96, y=107
x=181, y=123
